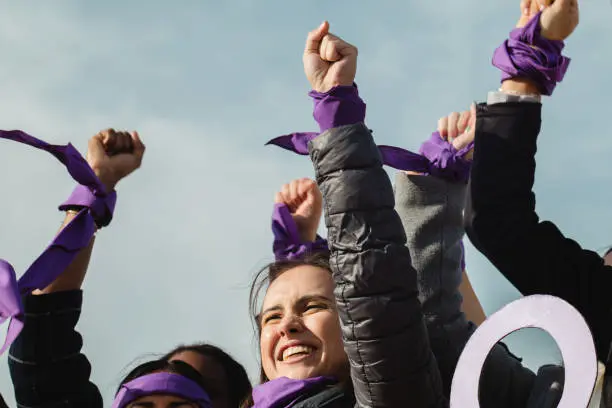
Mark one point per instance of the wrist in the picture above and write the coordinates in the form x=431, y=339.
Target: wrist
x=520, y=86
x=106, y=178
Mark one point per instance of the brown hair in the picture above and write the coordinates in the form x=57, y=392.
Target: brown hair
x=269, y=274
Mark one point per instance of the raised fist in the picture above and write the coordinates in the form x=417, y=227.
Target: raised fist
x=559, y=17
x=459, y=129
x=328, y=60
x=113, y=155
x=305, y=202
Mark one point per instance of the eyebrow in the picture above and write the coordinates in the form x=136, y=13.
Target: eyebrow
x=302, y=300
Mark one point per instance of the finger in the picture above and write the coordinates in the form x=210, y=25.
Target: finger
x=137, y=145
x=95, y=148
x=462, y=123
x=293, y=192
x=278, y=198
x=306, y=189
x=443, y=127
x=108, y=138
x=313, y=40
x=333, y=46
x=453, y=118
x=286, y=196
x=472, y=122
x=340, y=48
x=525, y=6
x=123, y=143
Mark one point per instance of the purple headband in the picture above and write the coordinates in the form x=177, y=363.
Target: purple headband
x=96, y=207
x=161, y=383
x=438, y=157
x=287, y=242
x=526, y=54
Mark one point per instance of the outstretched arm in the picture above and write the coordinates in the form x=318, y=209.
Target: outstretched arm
x=501, y=219
x=382, y=323
x=46, y=363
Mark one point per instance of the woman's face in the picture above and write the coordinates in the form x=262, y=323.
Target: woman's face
x=162, y=401
x=300, y=329
x=213, y=374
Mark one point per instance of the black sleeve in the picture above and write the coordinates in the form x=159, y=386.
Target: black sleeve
x=502, y=223
x=384, y=334
x=45, y=362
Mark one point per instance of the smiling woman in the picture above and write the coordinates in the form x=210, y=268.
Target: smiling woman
x=298, y=324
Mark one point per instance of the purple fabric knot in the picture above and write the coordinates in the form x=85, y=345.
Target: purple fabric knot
x=284, y=392
x=438, y=157
x=287, y=242
x=526, y=54
x=101, y=206
x=444, y=160
x=60, y=253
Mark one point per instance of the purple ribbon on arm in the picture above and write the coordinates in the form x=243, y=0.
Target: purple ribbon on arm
x=96, y=208
x=526, y=54
x=438, y=157
x=287, y=242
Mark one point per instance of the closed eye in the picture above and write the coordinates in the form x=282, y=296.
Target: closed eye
x=271, y=317
x=316, y=306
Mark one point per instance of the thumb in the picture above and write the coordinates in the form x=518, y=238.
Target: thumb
x=313, y=41
x=95, y=149
x=472, y=121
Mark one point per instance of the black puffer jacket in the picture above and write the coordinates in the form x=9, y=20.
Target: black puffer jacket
x=376, y=290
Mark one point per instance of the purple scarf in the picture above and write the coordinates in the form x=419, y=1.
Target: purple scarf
x=161, y=383
x=287, y=242
x=97, y=206
x=438, y=157
x=526, y=54
x=284, y=392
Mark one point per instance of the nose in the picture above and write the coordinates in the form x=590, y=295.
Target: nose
x=290, y=324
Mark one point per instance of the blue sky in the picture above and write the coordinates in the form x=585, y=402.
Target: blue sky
x=206, y=84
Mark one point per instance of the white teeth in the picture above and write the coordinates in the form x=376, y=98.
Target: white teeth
x=291, y=351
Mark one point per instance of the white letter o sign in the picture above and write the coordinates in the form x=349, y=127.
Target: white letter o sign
x=557, y=317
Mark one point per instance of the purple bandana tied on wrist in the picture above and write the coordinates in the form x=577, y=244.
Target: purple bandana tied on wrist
x=96, y=206
x=284, y=392
x=526, y=54
x=438, y=157
x=287, y=242
x=161, y=383
x=342, y=106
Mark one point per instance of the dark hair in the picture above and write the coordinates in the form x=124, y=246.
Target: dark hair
x=238, y=384
x=266, y=276
x=163, y=366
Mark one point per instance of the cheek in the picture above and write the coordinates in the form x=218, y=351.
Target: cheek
x=326, y=327
x=266, y=344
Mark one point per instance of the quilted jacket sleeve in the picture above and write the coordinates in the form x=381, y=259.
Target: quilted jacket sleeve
x=376, y=292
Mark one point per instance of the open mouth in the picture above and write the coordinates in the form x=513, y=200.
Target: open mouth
x=296, y=352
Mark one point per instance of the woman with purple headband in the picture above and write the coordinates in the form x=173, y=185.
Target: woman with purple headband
x=46, y=363
x=162, y=384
